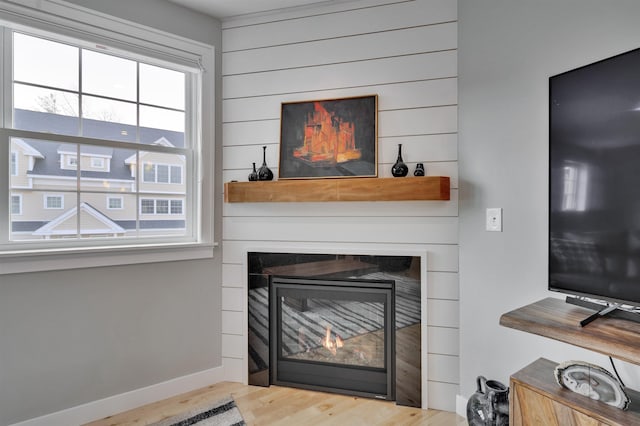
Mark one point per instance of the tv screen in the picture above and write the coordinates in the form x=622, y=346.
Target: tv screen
x=594, y=180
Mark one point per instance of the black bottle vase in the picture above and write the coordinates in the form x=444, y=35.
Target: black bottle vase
x=399, y=169
x=264, y=172
x=253, y=176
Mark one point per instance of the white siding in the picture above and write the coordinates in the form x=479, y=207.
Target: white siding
x=406, y=53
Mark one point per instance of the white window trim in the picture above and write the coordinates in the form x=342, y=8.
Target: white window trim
x=69, y=19
x=45, y=200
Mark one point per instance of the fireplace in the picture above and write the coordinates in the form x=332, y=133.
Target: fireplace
x=398, y=358
x=333, y=335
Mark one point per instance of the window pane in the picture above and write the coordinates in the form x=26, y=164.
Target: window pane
x=158, y=118
x=114, y=203
x=38, y=222
x=162, y=206
x=53, y=201
x=176, y=174
x=16, y=204
x=45, y=62
x=108, y=119
x=117, y=173
x=13, y=163
x=41, y=166
x=45, y=110
x=163, y=173
x=149, y=172
x=158, y=172
x=176, y=206
x=108, y=75
x=162, y=87
x=96, y=221
x=147, y=206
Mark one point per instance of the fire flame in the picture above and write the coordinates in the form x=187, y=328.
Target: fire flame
x=332, y=344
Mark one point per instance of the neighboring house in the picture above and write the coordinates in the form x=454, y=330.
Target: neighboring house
x=46, y=193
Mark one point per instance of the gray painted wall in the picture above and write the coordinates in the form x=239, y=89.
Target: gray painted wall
x=507, y=51
x=75, y=336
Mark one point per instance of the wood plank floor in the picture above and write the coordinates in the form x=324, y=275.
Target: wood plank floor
x=280, y=406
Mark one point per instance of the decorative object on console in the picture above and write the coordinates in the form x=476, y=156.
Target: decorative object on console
x=264, y=172
x=592, y=381
x=253, y=176
x=489, y=405
x=419, y=171
x=329, y=138
x=399, y=169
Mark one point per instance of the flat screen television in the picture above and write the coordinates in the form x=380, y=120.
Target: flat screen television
x=594, y=180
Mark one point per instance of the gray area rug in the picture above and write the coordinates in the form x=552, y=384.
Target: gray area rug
x=220, y=413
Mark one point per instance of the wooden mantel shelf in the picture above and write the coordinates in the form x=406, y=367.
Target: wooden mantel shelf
x=350, y=189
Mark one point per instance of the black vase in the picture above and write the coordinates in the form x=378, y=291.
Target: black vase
x=489, y=406
x=399, y=169
x=264, y=172
x=253, y=176
x=419, y=171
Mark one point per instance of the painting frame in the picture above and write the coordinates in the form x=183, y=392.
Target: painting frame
x=329, y=138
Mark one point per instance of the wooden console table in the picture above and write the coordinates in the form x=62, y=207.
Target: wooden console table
x=535, y=397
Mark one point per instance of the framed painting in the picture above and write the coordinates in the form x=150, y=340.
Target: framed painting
x=334, y=138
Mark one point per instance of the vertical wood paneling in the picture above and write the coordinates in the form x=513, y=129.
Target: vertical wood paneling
x=403, y=51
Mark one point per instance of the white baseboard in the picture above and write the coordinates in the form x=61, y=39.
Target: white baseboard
x=126, y=401
x=461, y=406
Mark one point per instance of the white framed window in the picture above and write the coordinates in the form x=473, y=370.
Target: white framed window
x=16, y=204
x=14, y=163
x=97, y=162
x=115, y=203
x=160, y=206
x=53, y=202
x=162, y=173
x=149, y=104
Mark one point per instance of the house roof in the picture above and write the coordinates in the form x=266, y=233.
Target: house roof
x=49, y=164
x=107, y=225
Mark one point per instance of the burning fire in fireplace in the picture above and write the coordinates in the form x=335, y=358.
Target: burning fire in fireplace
x=331, y=344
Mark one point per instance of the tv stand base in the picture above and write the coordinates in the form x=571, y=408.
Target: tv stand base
x=602, y=310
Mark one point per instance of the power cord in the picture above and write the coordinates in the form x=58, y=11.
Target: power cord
x=616, y=371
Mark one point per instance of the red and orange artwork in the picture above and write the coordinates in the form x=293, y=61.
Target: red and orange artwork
x=328, y=139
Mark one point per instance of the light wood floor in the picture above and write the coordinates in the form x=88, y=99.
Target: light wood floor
x=286, y=406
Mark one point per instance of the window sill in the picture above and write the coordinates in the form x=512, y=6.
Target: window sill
x=59, y=259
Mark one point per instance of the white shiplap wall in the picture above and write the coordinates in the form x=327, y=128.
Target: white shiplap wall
x=406, y=53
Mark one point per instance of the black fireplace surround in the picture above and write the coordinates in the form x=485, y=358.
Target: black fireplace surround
x=366, y=308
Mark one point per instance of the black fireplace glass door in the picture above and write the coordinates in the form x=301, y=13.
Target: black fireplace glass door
x=333, y=334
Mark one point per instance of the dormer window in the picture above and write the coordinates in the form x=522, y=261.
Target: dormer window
x=97, y=162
